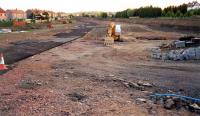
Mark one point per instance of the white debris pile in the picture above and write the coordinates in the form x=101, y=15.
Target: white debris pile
x=175, y=55
x=192, y=53
x=156, y=52
x=5, y=30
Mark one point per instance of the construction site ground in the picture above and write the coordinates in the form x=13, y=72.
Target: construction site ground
x=86, y=78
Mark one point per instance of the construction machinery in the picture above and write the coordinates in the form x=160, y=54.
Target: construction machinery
x=114, y=31
x=113, y=34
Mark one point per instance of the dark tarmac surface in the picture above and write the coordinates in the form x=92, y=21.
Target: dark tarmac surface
x=26, y=48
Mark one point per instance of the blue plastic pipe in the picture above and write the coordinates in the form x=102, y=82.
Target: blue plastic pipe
x=195, y=100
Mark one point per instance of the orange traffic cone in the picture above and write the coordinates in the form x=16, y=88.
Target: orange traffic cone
x=2, y=63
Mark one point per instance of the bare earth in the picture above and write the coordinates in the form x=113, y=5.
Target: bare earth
x=84, y=78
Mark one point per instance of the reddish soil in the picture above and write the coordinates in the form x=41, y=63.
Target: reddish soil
x=85, y=78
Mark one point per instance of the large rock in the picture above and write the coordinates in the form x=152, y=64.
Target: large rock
x=141, y=100
x=169, y=104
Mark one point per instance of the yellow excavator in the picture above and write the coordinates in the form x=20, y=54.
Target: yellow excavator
x=114, y=31
x=113, y=34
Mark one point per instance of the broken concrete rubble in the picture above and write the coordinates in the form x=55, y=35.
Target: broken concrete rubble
x=29, y=84
x=179, y=54
x=141, y=100
x=138, y=86
x=171, y=101
x=175, y=55
x=169, y=104
x=190, y=53
x=195, y=106
x=156, y=52
x=140, y=83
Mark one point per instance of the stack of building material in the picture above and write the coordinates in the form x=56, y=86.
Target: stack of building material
x=190, y=41
x=179, y=44
x=196, y=41
x=181, y=54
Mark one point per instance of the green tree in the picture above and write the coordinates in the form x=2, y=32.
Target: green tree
x=188, y=14
x=71, y=16
x=169, y=14
x=136, y=12
x=179, y=11
x=150, y=12
x=182, y=8
x=178, y=14
x=129, y=12
x=46, y=16
x=103, y=15
x=196, y=12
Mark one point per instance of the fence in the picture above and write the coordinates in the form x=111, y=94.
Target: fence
x=19, y=23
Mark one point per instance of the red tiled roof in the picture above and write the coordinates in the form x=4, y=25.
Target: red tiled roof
x=2, y=11
x=36, y=11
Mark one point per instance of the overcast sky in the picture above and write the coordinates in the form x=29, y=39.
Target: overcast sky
x=86, y=5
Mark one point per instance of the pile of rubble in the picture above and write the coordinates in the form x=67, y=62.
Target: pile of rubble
x=10, y=31
x=5, y=30
x=173, y=101
x=179, y=50
x=192, y=53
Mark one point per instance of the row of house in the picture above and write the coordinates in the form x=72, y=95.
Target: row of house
x=29, y=14
x=92, y=13
x=2, y=14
